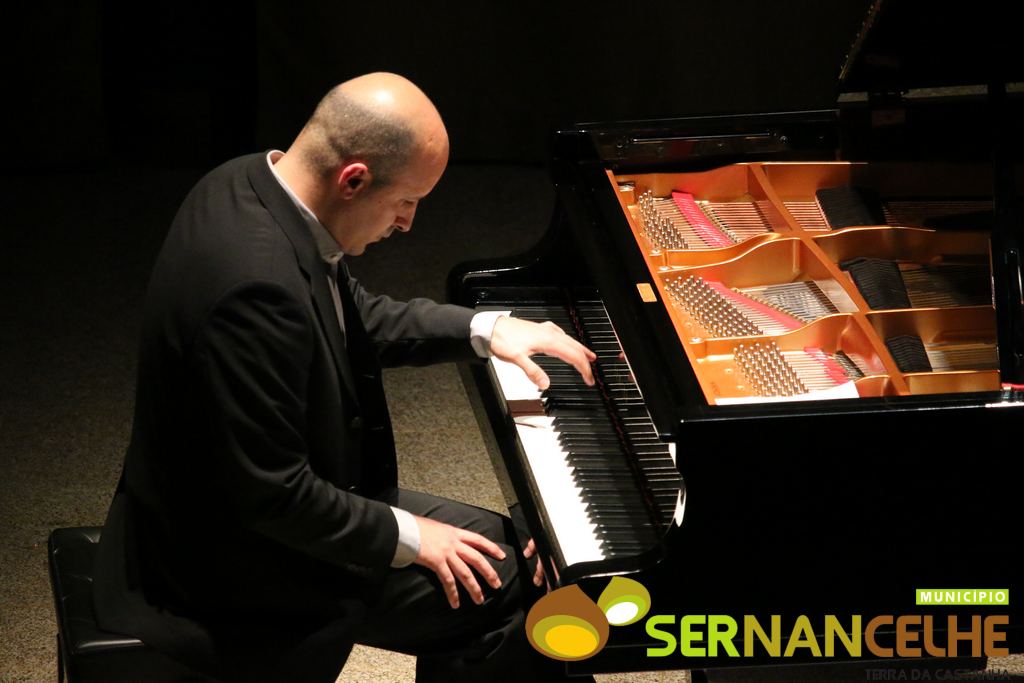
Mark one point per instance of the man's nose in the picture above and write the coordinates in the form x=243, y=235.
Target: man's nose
x=404, y=220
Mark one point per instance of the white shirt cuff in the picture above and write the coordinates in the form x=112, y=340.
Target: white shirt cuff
x=481, y=327
x=408, y=539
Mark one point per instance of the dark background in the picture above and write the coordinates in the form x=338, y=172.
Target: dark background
x=190, y=84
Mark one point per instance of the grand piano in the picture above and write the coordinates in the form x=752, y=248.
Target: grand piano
x=810, y=332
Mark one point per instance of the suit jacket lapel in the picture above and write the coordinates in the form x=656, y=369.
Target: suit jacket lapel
x=313, y=266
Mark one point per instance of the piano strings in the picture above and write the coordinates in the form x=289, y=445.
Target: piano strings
x=926, y=213
x=750, y=311
x=946, y=357
x=681, y=222
x=808, y=214
x=945, y=285
x=913, y=355
x=770, y=371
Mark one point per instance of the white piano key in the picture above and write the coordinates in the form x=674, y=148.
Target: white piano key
x=521, y=395
x=563, y=502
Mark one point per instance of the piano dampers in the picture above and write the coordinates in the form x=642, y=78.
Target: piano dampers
x=879, y=281
x=845, y=206
x=909, y=353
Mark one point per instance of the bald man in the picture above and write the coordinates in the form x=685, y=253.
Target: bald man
x=258, y=530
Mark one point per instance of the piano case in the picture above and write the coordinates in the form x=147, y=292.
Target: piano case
x=822, y=312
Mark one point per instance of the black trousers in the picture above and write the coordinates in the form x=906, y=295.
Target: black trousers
x=410, y=614
x=484, y=642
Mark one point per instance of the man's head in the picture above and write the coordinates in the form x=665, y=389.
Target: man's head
x=373, y=148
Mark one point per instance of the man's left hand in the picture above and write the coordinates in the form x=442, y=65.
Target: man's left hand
x=538, y=574
x=515, y=340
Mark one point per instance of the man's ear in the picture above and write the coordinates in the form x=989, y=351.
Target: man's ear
x=353, y=178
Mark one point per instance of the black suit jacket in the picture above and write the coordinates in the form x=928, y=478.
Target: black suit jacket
x=245, y=525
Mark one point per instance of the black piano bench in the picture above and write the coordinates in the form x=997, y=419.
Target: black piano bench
x=85, y=653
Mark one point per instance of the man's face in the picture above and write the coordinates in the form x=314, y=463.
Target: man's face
x=378, y=211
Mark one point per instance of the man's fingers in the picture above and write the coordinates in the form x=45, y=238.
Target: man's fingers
x=478, y=562
x=451, y=589
x=538, y=575
x=466, y=577
x=529, y=551
x=533, y=371
x=516, y=340
x=576, y=355
x=482, y=543
x=452, y=554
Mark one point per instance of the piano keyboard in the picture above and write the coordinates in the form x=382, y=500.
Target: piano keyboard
x=606, y=483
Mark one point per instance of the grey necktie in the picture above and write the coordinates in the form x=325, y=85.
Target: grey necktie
x=332, y=283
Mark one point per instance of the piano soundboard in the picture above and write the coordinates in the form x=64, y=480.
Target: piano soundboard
x=807, y=281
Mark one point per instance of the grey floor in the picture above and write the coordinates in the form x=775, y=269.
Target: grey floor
x=76, y=251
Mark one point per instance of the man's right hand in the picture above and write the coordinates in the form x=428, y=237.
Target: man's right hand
x=452, y=553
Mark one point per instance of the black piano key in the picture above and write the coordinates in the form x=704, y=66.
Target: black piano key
x=622, y=536
x=580, y=440
x=610, y=500
x=591, y=462
x=592, y=432
x=599, y=481
x=594, y=460
x=597, y=515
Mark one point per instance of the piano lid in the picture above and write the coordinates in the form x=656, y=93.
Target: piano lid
x=906, y=44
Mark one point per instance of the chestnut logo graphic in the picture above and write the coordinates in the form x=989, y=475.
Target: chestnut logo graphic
x=624, y=601
x=567, y=625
